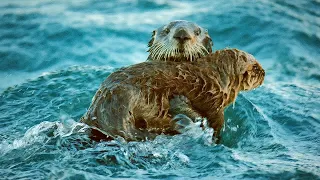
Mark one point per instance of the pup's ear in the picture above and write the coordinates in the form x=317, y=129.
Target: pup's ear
x=152, y=38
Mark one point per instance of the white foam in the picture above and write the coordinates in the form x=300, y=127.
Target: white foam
x=43, y=132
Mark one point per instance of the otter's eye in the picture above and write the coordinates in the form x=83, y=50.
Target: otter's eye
x=197, y=31
x=166, y=30
x=255, y=68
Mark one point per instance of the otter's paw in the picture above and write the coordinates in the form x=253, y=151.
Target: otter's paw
x=180, y=122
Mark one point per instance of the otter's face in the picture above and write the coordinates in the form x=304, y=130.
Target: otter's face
x=253, y=76
x=234, y=62
x=179, y=41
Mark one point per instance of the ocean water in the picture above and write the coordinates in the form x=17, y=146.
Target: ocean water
x=55, y=54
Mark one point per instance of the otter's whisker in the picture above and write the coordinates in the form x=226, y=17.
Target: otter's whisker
x=159, y=49
x=186, y=52
x=162, y=52
x=167, y=52
x=204, y=49
x=171, y=51
x=175, y=50
x=192, y=49
x=199, y=52
x=154, y=49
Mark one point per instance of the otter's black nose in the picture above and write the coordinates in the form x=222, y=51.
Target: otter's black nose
x=181, y=35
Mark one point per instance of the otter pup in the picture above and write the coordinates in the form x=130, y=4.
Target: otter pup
x=134, y=102
x=179, y=41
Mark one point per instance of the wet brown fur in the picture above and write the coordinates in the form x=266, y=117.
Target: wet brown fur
x=134, y=102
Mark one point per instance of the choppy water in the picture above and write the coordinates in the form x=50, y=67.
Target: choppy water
x=55, y=54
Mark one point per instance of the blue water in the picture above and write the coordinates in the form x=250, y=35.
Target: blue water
x=55, y=54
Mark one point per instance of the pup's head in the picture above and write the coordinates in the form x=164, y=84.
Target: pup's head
x=233, y=62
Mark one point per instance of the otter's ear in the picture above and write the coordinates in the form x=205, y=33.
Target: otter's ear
x=152, y=38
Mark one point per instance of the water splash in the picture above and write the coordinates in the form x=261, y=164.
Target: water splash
x=43, y=133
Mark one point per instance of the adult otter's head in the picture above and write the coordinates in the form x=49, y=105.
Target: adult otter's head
x=179, y=41
x=239, y=66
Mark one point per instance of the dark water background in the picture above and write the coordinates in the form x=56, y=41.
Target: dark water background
x=55, y=54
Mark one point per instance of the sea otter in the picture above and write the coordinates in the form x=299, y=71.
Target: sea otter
x=179, y=41
x=134, y=102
